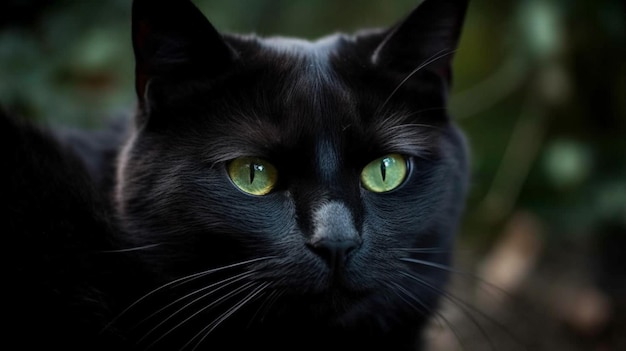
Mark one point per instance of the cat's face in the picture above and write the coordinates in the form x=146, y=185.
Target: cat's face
x=323, y=171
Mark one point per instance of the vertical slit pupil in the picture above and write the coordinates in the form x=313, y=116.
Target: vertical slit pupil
x=252, y=168
x=383, y=168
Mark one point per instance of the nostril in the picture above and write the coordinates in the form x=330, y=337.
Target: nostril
x=334, y=252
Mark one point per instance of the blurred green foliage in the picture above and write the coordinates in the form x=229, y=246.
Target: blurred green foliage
x=540, y=88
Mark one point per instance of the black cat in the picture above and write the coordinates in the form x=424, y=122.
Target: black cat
x=273, y=193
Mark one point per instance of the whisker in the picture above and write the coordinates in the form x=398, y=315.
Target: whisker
x=138, y=248
x=209, y=328
x=422, y=249
x=467, y=309
x=456, y=271
x=437, y=56
x=459, y=302
x=222, y=284
x=442, y=108
x=420, y=125
x=266, y=306
x=184, y=279
x=396, y=118
x=213, y=303
x=426, y=310
x=484, y=284
x=429, y=310
x=458, y=253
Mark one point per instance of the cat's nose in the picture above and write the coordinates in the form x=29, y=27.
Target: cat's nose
x=334, y=252
x=335, y=235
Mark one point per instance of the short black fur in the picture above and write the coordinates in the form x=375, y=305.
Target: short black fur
x=172, y=255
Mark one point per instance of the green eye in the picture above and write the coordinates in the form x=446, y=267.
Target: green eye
x=252, y=175
x=385, y=173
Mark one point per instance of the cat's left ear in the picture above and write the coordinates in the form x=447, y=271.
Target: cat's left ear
x=173, y=41
x=426, y=39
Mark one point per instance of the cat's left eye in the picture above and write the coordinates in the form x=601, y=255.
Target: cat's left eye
x=252, y=175
x=385, y=173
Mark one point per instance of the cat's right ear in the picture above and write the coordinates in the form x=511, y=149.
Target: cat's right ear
x=173, y=41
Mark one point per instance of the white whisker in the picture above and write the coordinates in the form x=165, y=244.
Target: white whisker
x=467, y=308
x=428, y=311
x=422, y=250
x=266, y=306
x=222, y=284
x=210, y=305
x=209, y=328
x=425, y=309
x=138, y=248
x=459, y=272
x=437, y=56
x=181, y=280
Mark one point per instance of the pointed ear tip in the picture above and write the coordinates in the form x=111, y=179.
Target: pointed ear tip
x=431, y=31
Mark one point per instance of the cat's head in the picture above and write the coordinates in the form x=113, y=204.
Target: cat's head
x=331, y=166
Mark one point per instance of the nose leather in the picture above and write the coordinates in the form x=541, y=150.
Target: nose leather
x=335, y=236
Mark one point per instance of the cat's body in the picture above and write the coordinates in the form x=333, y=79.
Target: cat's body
x=56, y=228
x=354, y=180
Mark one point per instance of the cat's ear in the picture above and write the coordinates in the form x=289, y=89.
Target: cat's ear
x=427, y=38
x=172, y=39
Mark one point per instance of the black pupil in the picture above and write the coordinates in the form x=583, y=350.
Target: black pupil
x=383, y=169
x=253, y=167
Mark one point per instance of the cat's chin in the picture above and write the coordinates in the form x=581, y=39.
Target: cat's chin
x=331, y=307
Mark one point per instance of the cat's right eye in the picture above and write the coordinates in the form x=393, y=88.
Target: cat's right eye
x=252, y=175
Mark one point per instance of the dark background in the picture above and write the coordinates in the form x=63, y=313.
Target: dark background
x=540, y=89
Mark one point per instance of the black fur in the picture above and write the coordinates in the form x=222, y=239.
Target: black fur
x=56, y=227
x=319, y=111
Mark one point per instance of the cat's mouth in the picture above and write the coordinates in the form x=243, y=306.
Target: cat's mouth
x=340, y=294
x=328, y=307
x=337, y=276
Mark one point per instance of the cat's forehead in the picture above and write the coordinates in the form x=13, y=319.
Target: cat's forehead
x=297, y=97
x=294, y=76
x=299, y=46
x=306, y=65
x=297, y=55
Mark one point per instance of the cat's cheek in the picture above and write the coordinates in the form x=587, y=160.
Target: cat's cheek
x=257, y=221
